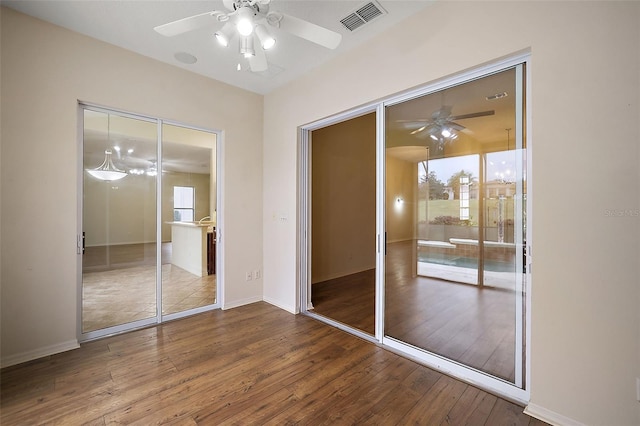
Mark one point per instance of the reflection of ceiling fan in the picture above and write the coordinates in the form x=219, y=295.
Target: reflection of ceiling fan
x=442, y=125
x=247, y=18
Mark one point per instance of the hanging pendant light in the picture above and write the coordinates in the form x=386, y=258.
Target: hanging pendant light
x=107, y=170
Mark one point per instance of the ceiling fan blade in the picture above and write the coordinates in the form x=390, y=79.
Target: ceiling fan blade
x=414, y=120
x=410, y=125
x=258, y=62
x=304, y=29
x=187, y=24
x=472, y=115
x=456, y=126
x=442, y=113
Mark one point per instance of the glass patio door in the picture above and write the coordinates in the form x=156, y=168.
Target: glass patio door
x=450, y=267
x=119, y=223
x=343, y=223
x=189, y=219
x=455, y=222
x=150, y=235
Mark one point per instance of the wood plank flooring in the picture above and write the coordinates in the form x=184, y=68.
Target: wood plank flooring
x=252, y=365
x=465, y=323
x=349, y=300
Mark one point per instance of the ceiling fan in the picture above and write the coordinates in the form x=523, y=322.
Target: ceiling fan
x=247, y=18
x=442, y=125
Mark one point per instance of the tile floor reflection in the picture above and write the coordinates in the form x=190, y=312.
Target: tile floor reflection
x=120, y=296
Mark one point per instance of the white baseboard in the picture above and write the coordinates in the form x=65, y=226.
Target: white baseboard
x=549, y=416
x=280, y=305
x=38, y=353
x=241, y=302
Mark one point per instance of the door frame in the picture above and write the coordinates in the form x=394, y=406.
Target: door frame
x=159, y=317
x=304, y=214
x=520, y=391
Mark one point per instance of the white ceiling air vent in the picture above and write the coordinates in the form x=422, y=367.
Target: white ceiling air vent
x=364, y=14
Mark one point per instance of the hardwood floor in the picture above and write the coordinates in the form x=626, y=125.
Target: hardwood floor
x=349, y=300
x=255, y=364
x=465, y=323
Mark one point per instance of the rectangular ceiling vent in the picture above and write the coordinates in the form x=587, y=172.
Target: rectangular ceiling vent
x=364, y=14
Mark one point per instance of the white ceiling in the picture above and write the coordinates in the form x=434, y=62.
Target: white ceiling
x=129, y=24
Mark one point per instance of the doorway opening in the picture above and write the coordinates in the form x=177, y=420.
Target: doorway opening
x=343, y=222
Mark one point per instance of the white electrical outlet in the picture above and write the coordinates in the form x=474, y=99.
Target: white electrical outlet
x=257, y=274
x=249, y=276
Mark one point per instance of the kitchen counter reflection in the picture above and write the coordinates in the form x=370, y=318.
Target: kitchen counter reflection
x=190, y=246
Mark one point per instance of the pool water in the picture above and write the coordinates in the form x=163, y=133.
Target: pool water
x=466, y=262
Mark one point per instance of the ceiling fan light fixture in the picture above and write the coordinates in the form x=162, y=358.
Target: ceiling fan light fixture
x=224, y=41
x=152, y=170
x=244, y=23
x=446, y=133
x=245, y=17
x=266, y=40
x=246, y=47
x=223, y=36
x=497, y=96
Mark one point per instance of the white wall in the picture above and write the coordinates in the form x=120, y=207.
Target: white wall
x=585, y=92
x=45, y=71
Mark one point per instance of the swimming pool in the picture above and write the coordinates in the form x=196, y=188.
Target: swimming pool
x=466, y=262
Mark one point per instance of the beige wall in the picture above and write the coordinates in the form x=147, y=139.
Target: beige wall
x=401, y=182
x=119, y=212
x=585, y=96
x=132, y=207
x=201, y=184
x=343, y=202
x=45, y=71
x=127, y=201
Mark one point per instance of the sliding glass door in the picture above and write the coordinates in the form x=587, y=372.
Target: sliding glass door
x=343, y=227
x=455, y=217
x=441, y=275
x=188, y=219
x=149, y=223
x=119, y=222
